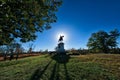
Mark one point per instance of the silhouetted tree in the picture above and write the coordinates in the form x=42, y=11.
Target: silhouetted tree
x=46, y=51
x=31, y=47
x=23, y=18
x=11, y=49
x=102, y=41
x=18, y=49
x=3, y=51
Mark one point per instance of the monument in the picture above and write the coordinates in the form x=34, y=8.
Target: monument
x=60, y=47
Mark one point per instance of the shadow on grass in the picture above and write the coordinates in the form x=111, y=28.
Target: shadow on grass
x=60, y=59
x=55, y=72
x=38, y=73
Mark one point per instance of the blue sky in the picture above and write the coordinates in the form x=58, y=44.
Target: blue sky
x=77, y=20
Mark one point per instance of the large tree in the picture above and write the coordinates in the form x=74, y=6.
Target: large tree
x=23, y=18
x=113, y=36
x=102, y=41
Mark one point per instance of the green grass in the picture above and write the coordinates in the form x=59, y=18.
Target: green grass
x=44, y=67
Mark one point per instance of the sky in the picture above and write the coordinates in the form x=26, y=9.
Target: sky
x=77, y=20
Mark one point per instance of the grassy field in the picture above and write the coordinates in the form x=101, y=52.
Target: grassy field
x=45, y=67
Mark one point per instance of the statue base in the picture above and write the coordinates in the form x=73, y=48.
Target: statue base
x=60, y=48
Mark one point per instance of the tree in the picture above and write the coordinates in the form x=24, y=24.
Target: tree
x=31, y=47
x=46, y=51
x=23, y=18
x=102, y=41
x=113, y=41
x=18, y=49
x=3, y=51
x=13, y=48
x=113, y=36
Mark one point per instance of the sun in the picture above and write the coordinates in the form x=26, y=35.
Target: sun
x=61, y=34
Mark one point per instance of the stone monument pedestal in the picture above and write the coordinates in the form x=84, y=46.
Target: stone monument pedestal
x=60, y=48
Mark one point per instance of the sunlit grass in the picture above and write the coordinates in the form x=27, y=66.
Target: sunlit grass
x=44, y=67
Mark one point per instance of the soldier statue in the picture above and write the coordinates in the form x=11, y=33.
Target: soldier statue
x=61, y=38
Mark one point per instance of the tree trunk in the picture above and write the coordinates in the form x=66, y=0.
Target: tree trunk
x=11, y=54
x=5, y=55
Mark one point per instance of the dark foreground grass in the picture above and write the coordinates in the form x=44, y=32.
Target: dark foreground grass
x=83, y=67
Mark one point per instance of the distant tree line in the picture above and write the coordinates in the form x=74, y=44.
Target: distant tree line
x=74, y=51
x=100, y=42
x=11, y=50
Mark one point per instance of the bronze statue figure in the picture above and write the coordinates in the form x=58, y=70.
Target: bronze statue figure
x=61, y=38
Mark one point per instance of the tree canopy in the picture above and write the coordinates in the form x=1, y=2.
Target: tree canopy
x=23, y=18
x=102, y=41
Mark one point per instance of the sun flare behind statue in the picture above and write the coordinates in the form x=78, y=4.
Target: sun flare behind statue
x=61, y=34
